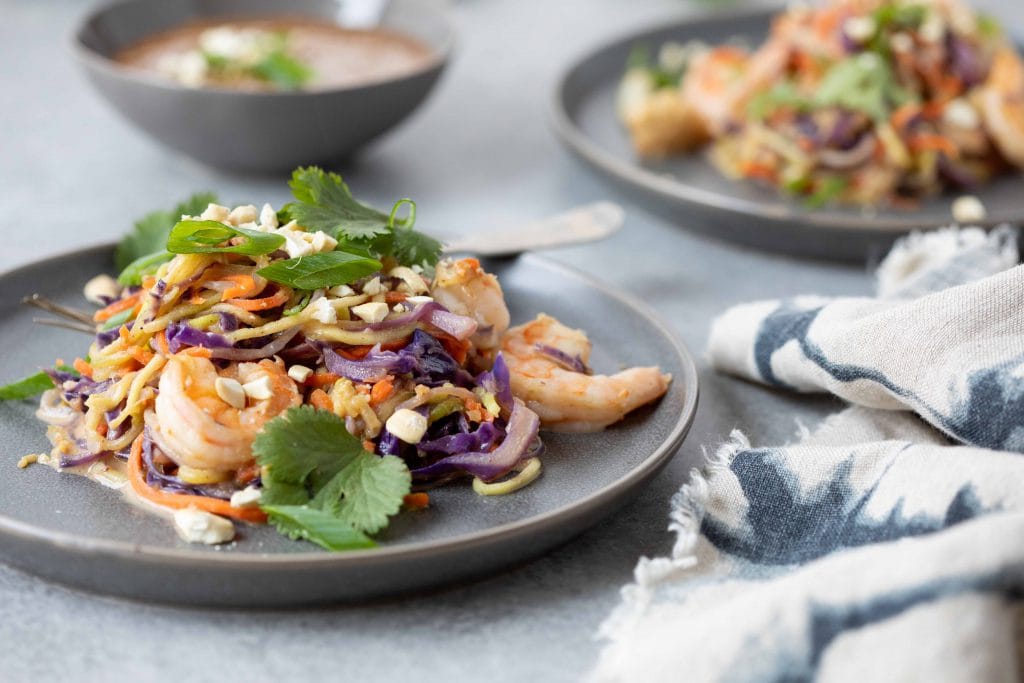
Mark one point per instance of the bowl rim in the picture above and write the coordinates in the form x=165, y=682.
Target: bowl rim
x=92, y=59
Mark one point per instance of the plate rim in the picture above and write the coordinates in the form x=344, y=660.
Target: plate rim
x=314, y=559
x=639, y=178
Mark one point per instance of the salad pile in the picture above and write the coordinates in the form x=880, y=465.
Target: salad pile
x=870, y=102
x=294, y=366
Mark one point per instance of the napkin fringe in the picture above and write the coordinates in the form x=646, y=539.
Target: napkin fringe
x=688, y=509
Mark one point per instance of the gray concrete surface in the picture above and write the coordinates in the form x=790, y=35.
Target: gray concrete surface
x=479, y=155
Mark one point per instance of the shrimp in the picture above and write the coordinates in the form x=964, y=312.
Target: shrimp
x=1001, y=102
x=721, y=81
x=571, y=401
x=200, y=430
x=464, y=287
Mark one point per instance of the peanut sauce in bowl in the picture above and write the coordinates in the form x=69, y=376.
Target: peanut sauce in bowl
x=265, y=85
x=331, y=55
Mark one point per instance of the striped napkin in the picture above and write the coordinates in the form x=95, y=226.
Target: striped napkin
x=887, y=544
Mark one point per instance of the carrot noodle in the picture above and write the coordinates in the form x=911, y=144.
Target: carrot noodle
x=105, y=314
x=180, y=501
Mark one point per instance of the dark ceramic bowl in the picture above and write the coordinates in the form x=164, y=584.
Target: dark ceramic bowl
x=257, y=131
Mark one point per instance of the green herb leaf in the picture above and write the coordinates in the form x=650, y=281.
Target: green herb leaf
x=33, y=385
x=151, y=231
x=207, y=237
x=311, y=460
x=27, y=387
x=118, y=319
x=135, y=271
x=325, y=269
x=864, y=83
x=828, y=189
x=301, y=522
x=324, y=202
x=284, y=71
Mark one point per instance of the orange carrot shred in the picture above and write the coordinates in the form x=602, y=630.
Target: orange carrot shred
x=245, y=285
x=273, y=301
x=82, y=367
x=113, y=309
x=180, y=501
x=318, y=398
x=381, y=390
x=417, y=501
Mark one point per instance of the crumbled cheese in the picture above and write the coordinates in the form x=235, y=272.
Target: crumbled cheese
x=299, y=373
x=418, y=300
x=268, y=218
x=259, y=389
x=101, y=289
x=323, y=311
x=372, y=311
x=933, y=28
x=230, y=391
x=28, y=460
x=321, y=241
x=399, y=308
x=961, y=114
x=407, y=425
x=901, y=42
x=298, y=243
x=245, y=213
x=341, y=290
x=295, y=243
x=968, y=209
x=246, y=498
x=859, y=29
x=197, y=526
x=411, y=280
x=372, y=287
x=215, y=212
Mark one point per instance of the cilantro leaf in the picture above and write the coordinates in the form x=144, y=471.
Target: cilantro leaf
x=151, y=231
x=301, y=522
x=324, y=202
x=312, y=462
x=411, y=247
x=282, y=70
x=366, y=491
x=206, y=237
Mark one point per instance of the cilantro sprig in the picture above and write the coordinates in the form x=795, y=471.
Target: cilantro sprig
x=321, y=485
x=324, y=202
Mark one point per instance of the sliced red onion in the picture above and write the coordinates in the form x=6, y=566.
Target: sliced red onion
x=571, y=363
x=520, y=438
x=172, y=484
x=433, y=313
x=82, y=459
x=844, y=159
x=373, y=367
x=266, y=351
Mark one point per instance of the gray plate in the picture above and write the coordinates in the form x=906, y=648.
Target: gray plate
x=687, y=189
x=69, y=529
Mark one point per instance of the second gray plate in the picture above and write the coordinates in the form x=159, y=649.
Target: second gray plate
x=690, y=191
x=69, y=529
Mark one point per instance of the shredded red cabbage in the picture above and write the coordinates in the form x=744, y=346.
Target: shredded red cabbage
x=498, y=382
x=180, y=335
x=521, y=441
x=424, y=357
x=480, y=440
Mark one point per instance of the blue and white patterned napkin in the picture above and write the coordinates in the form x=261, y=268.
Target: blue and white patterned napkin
x=887, y=545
